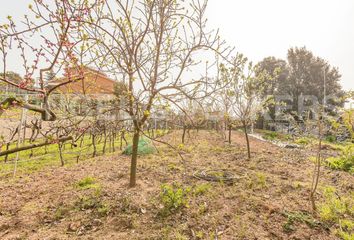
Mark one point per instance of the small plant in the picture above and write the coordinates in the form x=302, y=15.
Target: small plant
x=270, y=136
x=203, y=208
x=174, y=197
x=182, y=147
x=88, y=202
x=303, y=141
x=261, y=179
x=345, y=161
x=331, y=138
x=258, y=181
x=301, y=217
x=87, y=183
x=103, y=209
x=60, y=213
x=339, y=212
x=201, y=189
x=180, y=236
x=174, y=167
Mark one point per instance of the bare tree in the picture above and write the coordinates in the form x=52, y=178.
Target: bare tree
x=150, y=45
x=243, y=93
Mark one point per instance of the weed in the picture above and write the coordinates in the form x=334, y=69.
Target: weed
x=174, y=167
x=182, y=147
x=180, y=236
x=126, y=206
x=345, y=161
x=88, y=202
x=199, y=235
x=60, y=212
x=92, y=199
x=270, y=135
x=257, y=181
x=203, y=208
x=303, y=141
x=217, y=149
x=346, y=231
x=201, y=189
x=331, y=138
x=174, y=197
x=242, y=228
x=298, y=185
x=301, y=217
x=103, y=210
x=87, y=183
x=338, y=211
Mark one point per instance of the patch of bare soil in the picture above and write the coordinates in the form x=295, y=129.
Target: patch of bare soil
x=50, y=205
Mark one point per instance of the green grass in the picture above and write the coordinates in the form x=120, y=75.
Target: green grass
x=48, y=156
x=304, y=141
x=272, y=136
x=41, y=158
x=87, y=183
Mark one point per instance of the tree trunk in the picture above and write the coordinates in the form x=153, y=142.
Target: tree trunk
x=247, y=141
x=230, y=133
x=316, y=172
x=94, y=145
x=7, y=148
x=104, y=142
x=134, y=159
x=184, y=134
x=60, y=147
x=121, y=141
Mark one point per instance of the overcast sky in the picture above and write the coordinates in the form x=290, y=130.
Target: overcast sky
x=260, y=28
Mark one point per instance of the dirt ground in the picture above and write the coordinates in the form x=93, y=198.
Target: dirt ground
x=46, y=205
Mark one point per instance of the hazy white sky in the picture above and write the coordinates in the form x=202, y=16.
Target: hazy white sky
x=260, y=28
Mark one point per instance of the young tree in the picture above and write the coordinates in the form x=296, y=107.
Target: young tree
x=243, y=93
x=229, y=77
x=150, y=45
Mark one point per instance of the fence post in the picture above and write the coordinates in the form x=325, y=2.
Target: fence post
x=19, y=140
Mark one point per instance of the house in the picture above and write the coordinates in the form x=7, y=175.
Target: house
x=94, y=91
x=94, y=83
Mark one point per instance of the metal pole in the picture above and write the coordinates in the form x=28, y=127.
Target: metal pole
x=19, y=140
x=324, y=88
